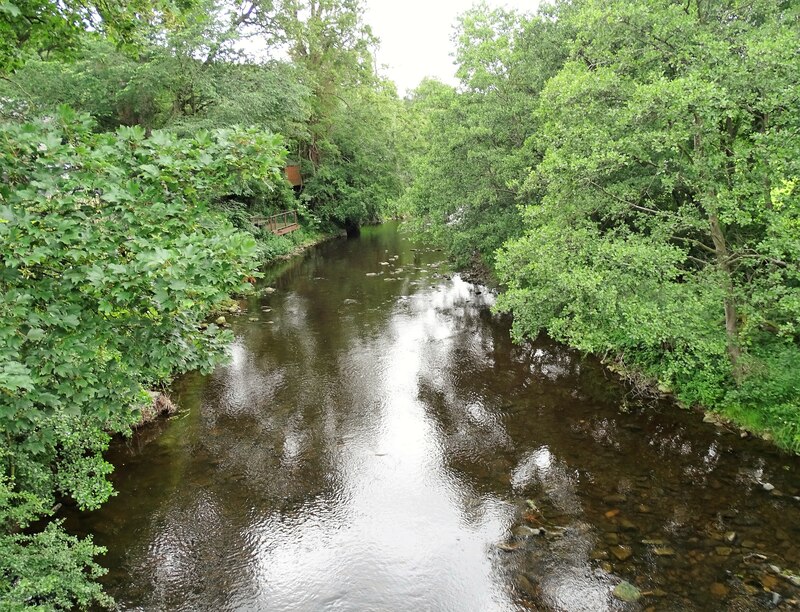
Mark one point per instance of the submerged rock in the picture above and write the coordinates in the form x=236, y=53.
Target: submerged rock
x=623, y=553
x=625, y=591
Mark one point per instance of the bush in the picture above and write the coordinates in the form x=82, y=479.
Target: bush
x=113, y=257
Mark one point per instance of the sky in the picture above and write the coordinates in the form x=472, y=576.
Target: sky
x=415, y=36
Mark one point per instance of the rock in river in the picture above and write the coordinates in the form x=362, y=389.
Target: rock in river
x=627, y=592
x=623, y=553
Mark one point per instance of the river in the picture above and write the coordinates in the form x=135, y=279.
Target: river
x=377, y=443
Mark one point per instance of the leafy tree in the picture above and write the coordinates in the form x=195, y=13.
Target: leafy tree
x=666, y=236
x=47, y=27
x=467, y=183
x=112, y=259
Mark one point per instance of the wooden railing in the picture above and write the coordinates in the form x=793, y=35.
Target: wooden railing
x=282, y=223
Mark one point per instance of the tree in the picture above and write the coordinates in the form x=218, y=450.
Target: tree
x=48, y=28
x=669, y=175
x=468, y=182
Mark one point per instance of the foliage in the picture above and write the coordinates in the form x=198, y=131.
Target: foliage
x=112, y=258
x=47, y=27
x=665, y=231
x=467, y=180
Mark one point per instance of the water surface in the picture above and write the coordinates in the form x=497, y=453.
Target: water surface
x=378, y=443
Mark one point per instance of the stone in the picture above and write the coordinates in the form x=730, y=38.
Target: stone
x=523, y=531
x=643, y=508
x=767, y=486
x=525, y=584
x=663, y=551
x=220, y=320
x=612, y=538
x=625, y=591
x=253, y=319
x=612, y=513
x=730, y=537
x=614, y=499
x=621, y=552
x=509, y=546
x=768, y=581
x=268, y=290
x=723, y=551
x=627, y=525
x=719, y=590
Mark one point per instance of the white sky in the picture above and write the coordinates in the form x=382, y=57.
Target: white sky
x=415, y=36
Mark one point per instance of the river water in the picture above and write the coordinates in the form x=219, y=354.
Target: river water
x=377, y=443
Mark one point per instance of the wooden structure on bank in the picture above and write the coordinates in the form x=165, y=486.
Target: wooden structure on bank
x=280, y=224
x=293, y=175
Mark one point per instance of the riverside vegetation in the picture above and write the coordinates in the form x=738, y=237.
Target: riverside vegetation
x=125, y=219
x=627, y=168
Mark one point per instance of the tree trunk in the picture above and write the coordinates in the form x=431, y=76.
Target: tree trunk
x=731, y=317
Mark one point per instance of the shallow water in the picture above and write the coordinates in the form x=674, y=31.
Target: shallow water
x=378, y=443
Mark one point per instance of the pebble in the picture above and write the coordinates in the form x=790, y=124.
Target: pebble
x=627, y=525
x=625, y=591
x=220, y=321
x=719, y=590
x=730, y=537
x=623, y=553
x=614, y=499
x=664, y=551
x=768, y=581
x=523, y=531
x=723, y=551
x=253, y=319
x=767, y=486
x=525, y=584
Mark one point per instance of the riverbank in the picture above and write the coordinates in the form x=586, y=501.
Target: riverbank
x=776, y=426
